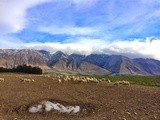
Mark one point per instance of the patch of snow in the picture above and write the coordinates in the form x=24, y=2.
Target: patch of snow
x=49, y=106
x=35, y=109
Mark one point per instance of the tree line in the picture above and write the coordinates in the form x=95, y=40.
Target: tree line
x=23, y=69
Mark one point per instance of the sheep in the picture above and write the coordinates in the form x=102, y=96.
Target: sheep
x=123, y=118
x=85, y=81
x=23, y=79
x=108, y=81
x=65, y=79
x=26, y=80
x=73, y=78
x=126, y=82
x=59, y=80
x=58, y=77
x=122, y=83
x=32, y=80
x=87, y=78
x=93, y=81
x=116, y=83
x=47, y=76
x=1, y=79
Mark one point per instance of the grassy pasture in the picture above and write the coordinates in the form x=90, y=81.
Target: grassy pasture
x=139, y=80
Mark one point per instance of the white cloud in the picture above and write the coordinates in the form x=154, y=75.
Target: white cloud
x=148, y=48
x=136, y=48
x=69, y=30
x=81, y=46
x=84, y=3
x=13, y=13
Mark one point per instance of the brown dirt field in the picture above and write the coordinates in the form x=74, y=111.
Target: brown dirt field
x=104, y=101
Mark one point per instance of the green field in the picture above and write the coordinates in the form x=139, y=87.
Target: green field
x=139, y=80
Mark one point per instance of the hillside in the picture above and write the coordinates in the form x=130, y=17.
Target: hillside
x=97, y=64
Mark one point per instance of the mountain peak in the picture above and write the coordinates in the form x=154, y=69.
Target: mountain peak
x=60, y=53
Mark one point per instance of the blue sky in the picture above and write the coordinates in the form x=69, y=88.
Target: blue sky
x=126, y=27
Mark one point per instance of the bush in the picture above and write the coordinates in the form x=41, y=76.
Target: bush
x=23, y=69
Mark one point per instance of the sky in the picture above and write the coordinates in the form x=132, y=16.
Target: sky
x=121, y=27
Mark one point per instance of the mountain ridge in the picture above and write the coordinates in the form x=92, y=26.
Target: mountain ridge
x=97, y=64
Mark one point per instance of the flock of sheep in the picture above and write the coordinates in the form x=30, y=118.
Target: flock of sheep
x=79, y=79
x=65, y=78
x=85, y=79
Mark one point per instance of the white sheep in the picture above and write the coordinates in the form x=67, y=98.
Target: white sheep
x=93, y=81
x=26, y=80
x=59, y=80
x=1, y=79
x=126, y=82
x=108, y=81
x=65, y=79
x=83, y=80
x=116, y=83
x=32, y=80
x=122, y=83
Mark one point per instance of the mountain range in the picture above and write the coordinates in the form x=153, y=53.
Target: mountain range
x=95, y=64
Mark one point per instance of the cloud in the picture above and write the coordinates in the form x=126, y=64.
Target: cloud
x=68, y=30
x=13, y=14
x=111, y=19
x=139, y=19
x=80, y=46
x=137, y=48
x=84, y=3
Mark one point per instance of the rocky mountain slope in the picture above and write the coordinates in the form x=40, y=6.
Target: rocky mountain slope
x=100, y=64
x=12, y=58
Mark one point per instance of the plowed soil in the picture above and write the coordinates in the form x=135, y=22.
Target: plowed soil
x=103, y=101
